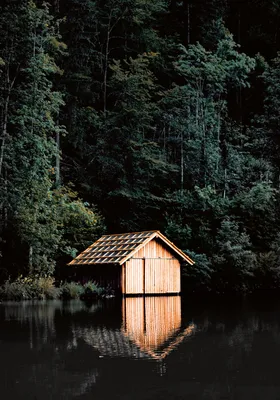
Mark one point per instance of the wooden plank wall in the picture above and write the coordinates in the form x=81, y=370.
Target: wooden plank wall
x=132, y=276
x=150, y=321
x=152, y=270
x=162, y=276
x=153, y=249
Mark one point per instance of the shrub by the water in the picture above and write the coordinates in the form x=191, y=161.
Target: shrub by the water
x=28, y=288
x=71, y=290
x=91, y=291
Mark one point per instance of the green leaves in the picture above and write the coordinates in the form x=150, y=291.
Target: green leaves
x=47, y=222
x=197, y=277
x=234, y=260
x=215, y=71
x=147, y=123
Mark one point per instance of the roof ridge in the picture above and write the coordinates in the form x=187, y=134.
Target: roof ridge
x=130, y=233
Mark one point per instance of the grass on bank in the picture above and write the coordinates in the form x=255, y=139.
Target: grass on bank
x=31, y=288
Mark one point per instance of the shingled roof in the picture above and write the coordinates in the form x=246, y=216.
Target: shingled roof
x=117, y=248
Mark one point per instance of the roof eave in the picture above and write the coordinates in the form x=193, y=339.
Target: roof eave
x=154, y=234
x=176, y=249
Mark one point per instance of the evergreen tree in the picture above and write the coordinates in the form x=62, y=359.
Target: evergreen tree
x=234, y=260
x=32, y=214
x=154, y=112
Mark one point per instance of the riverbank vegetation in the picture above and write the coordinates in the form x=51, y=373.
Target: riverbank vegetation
x=43, y=288
x=120, y=115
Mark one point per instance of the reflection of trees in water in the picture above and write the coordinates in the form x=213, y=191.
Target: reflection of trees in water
x=207, y=355
x=231, y=349
x=239, y=333
x=35, y=349
x=40, y=316
x=251, y=351
x=243, y=334
x=44, y=311
x=87, y=383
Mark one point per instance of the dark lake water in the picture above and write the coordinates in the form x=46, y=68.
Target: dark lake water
x=135, y=348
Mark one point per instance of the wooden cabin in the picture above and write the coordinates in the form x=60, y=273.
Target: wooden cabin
x=137, y=263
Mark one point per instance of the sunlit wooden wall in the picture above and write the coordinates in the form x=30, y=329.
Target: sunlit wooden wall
x=152, y=270
x=153, y=249
x=151, y=321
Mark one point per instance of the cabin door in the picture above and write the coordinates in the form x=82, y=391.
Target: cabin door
x=162, y=276
x=133, y=276
x=151, y=276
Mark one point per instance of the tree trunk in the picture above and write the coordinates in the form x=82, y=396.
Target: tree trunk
x=239, y=27
x=30, y=260
x=225, y=184
x=164, y=142
x=276, y=29
x=189, y=23
x=203, y=151
x=4, y=131
x=9, y=86
x=57, y=6
x=106, y=64
x=182, y=163
x=219, y=134
x=110, y=28
x=5, y=202
x=57, y=160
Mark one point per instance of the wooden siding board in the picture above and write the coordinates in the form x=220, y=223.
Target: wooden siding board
x=123, y=278
x=153, y=249
x=134, y=276
x=162, y=276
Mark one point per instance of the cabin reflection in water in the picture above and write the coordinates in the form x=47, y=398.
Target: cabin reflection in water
x=150, y=322
x=151, y=328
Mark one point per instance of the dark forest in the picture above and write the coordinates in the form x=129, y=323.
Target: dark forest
x=129, y=115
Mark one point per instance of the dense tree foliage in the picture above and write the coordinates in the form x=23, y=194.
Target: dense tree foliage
x=123, y=115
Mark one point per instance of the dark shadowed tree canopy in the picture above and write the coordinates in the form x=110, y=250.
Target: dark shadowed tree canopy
x=128, y=115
